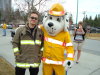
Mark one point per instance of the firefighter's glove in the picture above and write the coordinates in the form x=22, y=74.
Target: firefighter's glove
x=68, y=64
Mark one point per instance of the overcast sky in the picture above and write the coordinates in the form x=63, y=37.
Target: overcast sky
x=91, y=7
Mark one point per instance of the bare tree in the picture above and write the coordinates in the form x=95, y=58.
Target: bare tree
x=27, y=6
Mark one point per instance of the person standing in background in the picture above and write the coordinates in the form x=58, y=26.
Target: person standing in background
x=4, y=27
x=79, y=37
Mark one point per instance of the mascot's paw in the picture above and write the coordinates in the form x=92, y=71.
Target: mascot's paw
x=68, y=63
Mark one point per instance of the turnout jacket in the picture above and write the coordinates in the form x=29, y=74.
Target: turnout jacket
x=27, y=46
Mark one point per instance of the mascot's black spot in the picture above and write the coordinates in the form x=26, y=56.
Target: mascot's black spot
x=50, y=17
x=21, y=34
x=58, y=19
x=65, y=13
x=66, y=20
x=45, y=16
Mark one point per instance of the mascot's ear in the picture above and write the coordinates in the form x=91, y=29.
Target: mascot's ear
x=45, y=18
x=66, y=19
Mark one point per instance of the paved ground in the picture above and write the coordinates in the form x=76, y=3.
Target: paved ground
x=89, y=61
x=89, y=65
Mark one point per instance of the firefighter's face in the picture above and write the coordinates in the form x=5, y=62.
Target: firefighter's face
x=33, y=19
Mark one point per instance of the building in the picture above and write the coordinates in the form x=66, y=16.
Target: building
x=5, y=8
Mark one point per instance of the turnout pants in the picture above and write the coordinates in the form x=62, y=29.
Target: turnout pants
x=21, y=71
x=48, y=69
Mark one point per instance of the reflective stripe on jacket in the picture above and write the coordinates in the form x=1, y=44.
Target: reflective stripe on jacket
x=27, y=65
x=27, y=50
x=45, y=60
x=57, y=42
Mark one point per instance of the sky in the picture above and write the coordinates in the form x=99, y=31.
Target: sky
x=90, y=7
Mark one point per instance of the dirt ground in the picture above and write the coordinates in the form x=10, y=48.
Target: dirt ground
x=6, y=68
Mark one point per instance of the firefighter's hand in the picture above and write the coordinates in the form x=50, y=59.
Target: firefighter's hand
x=68, y=63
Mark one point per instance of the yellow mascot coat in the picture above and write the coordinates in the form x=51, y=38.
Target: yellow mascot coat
x=53, y=53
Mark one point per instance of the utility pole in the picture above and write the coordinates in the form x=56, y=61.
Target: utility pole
x=84, y=12
x=77, y=13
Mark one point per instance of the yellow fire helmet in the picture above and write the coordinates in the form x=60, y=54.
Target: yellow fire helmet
x=57, y=10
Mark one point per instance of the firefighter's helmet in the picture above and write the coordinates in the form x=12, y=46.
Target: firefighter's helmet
x=57, y=10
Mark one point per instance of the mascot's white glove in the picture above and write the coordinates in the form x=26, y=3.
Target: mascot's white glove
x=68, y=64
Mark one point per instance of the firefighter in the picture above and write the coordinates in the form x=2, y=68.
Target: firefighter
x=56, y=41
x=27, y=46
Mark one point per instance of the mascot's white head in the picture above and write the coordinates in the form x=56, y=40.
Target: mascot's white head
x=56, y=20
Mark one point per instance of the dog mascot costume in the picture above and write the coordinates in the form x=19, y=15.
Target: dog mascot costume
x=56, y=42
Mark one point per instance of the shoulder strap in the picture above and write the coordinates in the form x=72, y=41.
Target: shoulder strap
x=75, y=34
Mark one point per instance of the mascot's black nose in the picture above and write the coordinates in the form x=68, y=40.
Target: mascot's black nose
x=50, y=24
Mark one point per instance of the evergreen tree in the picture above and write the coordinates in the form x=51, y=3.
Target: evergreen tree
x=95, y=21
x=92, y=22
x=98, y=20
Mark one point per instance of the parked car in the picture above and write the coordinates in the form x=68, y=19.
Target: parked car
x=72, y=27
x=98, y=27
x=14, y=31
x=1, y=25
x=9, y=27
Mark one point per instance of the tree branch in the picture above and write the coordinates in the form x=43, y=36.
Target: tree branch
x=42, y=4
x=38, y=3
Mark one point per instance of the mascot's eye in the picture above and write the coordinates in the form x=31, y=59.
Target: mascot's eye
x=51, y=18
x=45, y=16
x=66, y=20
x=58, y=19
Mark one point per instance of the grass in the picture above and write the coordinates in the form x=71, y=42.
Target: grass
x=94, y=36
x=6, y=68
